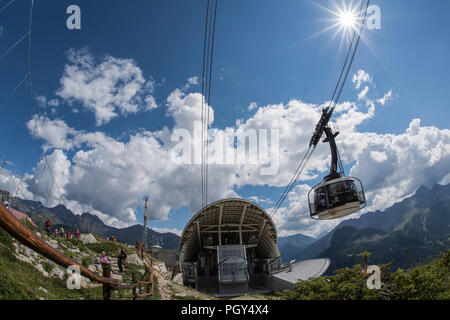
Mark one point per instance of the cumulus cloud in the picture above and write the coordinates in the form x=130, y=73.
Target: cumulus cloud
x=55, y=132
x=391, y=166
x=394, y=166
x=111, y=87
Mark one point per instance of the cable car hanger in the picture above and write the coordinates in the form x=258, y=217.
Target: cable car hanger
x=337, y=195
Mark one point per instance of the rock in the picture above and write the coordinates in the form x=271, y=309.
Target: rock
x=92, y=268
x=87, y=238
x=85, y=282
x=53, y=243
x=39, y=234
x=99, y=268
x=57, y=272
x=75, y=250
x=23, y=258
x=161, y=266
x=41, y=298
x=134, y=259
x=43, y=290
x=27, y=252
x=178, y=278
x=40, y=268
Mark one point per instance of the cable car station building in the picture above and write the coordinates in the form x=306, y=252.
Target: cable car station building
x=230, y=248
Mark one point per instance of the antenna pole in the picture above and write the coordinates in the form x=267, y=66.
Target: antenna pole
x=144, y=235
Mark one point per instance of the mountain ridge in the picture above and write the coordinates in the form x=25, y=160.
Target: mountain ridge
x=89, y=223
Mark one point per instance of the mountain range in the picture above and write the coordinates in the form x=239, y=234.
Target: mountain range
x=89, y=223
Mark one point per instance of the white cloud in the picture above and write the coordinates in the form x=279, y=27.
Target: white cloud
x=387, y=97
x=192, y=81
x=150, y=103
x=112, y=87
x=252, y=105
x=361, y=77
x=363, y=93
x=55, y=132
x=167, y=230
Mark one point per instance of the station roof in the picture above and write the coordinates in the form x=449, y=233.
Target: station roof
x=225, y=215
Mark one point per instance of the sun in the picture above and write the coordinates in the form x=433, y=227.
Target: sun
x=348, y=19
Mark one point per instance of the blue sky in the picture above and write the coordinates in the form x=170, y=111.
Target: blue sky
x=263, y=54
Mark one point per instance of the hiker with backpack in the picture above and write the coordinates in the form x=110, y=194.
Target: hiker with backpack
x=122, y=257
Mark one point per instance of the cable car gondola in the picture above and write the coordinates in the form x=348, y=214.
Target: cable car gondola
x=336, y=196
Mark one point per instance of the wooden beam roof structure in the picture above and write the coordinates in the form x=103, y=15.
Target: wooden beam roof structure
x=226, y=216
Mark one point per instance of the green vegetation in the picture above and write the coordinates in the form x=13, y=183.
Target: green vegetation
x=86, y=261
x=109, y=247
x=30, y=225
x=426, y=282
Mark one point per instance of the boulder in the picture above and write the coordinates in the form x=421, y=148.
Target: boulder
x=87, y=238
x=134, y=259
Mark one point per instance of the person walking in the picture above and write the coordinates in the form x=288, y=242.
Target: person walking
x=77, y=234
x=48, y=225
x=122, y=257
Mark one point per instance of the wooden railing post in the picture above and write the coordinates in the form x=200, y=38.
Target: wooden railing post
x=150, y=282
x=106, y=286
x=133, y=281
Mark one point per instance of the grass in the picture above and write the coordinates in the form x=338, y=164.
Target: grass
x=21, y=281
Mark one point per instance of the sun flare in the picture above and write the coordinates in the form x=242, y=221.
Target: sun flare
x=347, y=19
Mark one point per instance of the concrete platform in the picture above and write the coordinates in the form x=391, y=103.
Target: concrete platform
x=302, y=270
